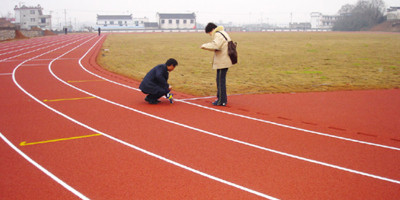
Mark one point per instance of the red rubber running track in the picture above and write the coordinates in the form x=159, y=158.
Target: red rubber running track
x=70, y=130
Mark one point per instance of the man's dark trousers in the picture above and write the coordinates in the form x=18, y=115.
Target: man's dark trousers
x=153, y=98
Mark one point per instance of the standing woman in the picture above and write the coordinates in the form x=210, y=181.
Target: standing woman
x=221, y=61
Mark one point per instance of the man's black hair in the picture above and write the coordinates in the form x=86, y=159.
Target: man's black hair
x=210, y=26
x=171, y=61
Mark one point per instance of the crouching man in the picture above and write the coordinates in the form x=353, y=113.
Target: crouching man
x=155, y=83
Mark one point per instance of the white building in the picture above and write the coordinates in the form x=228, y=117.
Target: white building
x=30, y=17
x=120, y=22
x=393, y=13
x=320, y=21
x=176, y=21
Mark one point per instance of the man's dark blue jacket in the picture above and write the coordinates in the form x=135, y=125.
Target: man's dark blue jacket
x=155, y=81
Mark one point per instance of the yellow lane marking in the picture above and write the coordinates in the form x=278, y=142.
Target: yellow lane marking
x=57, y=140
x=81, y=81
x=70, y=99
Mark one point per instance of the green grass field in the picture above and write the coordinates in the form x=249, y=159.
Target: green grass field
x=268, y=62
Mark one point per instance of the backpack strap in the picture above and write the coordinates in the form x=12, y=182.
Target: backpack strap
x=223, y=35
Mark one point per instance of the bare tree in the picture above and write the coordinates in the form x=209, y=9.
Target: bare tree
x=346, y=9
x=364, y=15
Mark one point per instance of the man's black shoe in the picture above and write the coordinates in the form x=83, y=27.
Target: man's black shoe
x=152, y=101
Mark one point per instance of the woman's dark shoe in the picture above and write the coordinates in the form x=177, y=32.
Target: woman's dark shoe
x=215, y=103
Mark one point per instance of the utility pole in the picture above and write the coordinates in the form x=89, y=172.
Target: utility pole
x=291, y=18
x=65, y=17
x=51, y=20
x=250, y=18
x=20, y=13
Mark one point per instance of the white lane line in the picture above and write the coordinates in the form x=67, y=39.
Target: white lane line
x=220, y=136
x=41, y=168
x=35, y=64
x=5, y=74
x=21, y=45
x=44, y=59
x=55, y=178
x=294, y=128
x=25, y=48
x=210, y=97
x=131, y=145
x=197, y=98
x=252, y=118
x=62, y=42
x=44, y=170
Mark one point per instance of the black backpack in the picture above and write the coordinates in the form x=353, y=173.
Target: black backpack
x=231, y=50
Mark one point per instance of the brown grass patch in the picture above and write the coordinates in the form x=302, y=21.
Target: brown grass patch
x=268, y=62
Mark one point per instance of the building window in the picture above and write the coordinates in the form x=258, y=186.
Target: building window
x=162, y=21
x=170, y=21
x=32, y=12
x=32, y=19
x=177, y=21
x=43, y=20
x=184, y=21
x=120, y=23
x=192, y=21
x=112, y=22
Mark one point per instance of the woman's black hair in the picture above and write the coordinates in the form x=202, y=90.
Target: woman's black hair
x=210, y=26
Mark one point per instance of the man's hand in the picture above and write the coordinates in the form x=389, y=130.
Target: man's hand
x=169, y=96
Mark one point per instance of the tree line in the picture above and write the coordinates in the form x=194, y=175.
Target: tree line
x=361, y=16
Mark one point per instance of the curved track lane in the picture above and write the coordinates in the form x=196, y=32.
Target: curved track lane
x=297, y=146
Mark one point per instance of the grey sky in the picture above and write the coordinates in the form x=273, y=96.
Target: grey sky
x=238, y=12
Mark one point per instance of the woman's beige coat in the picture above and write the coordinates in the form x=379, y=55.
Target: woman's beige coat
x=220, y=47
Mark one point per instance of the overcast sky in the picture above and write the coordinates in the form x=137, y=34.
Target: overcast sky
x=238, y=12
